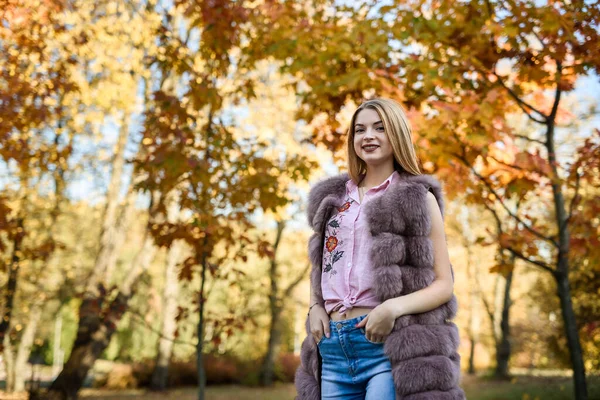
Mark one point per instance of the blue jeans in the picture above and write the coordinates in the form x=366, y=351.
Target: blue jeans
x=352, y=366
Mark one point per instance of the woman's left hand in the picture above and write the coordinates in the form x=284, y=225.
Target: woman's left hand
x=378, y=323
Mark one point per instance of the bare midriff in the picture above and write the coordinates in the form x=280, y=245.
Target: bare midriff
x=349, y=314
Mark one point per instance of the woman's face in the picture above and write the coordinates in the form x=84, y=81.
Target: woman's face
x=371, y=142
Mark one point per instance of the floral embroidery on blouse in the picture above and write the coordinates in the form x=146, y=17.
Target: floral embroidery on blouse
x=331, y=242
x=345, y=206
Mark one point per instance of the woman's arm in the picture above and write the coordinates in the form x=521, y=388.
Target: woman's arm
x=441, y=289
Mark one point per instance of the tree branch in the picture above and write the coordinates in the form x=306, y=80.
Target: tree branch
x=537, y=36
x=530, y=139
x=513, y=215
x=506, y=164
x=486, y=304
x=540, y=264
x=558, y=92
x=296, y=281
x=522, y=104
x=140, y=318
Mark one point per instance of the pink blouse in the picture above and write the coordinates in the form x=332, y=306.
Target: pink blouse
x=346, y=277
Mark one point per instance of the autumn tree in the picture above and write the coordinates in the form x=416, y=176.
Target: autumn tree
x=219, y=177
x=546, y=53
x=168, y=314
x=459, y=68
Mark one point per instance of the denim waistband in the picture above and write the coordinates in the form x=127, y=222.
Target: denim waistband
x=346, y=324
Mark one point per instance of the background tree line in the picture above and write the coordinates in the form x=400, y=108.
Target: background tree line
x=155, y=156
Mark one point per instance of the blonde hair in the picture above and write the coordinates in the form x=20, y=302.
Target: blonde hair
x=399, y=133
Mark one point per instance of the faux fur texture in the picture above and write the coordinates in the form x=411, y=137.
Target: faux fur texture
x=421, y=347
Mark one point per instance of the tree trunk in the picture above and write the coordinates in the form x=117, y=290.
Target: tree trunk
x=24, y=349
x=93, y=335
x=276, y=306
x=90, y=343
x=57, y=351
x=9, y=365
x=11, y=285
x=272, y=349
x=474, y=319
x=562, y=266
x=498, y=301
x=275, y=309
x=168, y=323
x=204, y=254
x=570, y=323
x=107, y=255
x=120, y=233
x=200, y=343
x=500, y=318
x=503, y=345
x=474, y=323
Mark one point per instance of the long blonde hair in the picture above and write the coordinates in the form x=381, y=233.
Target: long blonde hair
x=399, y=133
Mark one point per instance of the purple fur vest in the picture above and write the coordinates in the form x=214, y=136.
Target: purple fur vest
x=422, y=347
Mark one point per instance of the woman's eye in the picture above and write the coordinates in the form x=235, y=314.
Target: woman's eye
x=380, y=128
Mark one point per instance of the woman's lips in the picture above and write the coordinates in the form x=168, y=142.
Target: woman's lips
x=369, y=148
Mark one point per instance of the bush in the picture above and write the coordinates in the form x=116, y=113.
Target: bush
x=249, y=373
x=218, y=369
x=142, y=371
x=285, y=367
x=221, y=369
x=121, y=377
x=183, y=373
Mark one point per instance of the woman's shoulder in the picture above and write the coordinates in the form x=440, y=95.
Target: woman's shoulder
x=428, y=184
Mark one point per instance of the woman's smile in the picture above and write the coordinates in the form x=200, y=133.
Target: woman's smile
x=370, y=147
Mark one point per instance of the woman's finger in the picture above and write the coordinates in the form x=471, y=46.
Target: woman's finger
x=317, y=338
x=326, y=328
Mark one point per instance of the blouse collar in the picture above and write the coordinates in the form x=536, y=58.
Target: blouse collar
x=351, y=186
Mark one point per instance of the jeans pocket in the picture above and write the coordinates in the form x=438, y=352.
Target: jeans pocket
x=364, y=335
x=321, y=340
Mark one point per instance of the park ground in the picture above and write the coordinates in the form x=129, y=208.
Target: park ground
x=521, y=387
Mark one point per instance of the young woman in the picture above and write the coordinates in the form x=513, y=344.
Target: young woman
x=382, y=260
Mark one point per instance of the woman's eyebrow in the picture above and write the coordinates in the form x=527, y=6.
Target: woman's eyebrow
x=374, y=123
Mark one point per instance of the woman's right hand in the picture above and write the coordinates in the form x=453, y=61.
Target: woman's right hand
x=319, y=322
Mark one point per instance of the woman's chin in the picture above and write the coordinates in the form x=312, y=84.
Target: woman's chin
x=374, y=161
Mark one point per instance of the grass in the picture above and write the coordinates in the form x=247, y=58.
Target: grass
x=226, y=392
x=526, y=387
x=522, y=387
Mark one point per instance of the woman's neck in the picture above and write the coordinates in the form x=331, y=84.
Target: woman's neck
x=375, y=177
